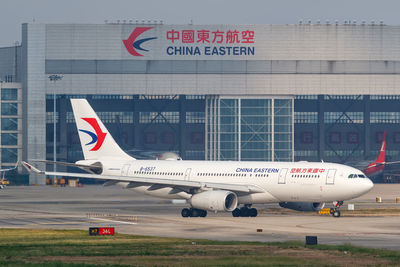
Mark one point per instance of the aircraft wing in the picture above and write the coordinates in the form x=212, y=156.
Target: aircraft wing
x=384, y=163
x=376, y=164
x=155, y=183
x=9, y=169
x=392, y=162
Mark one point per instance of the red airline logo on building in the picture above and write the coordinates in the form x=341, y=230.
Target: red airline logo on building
x=132, y=45
x=188, y=42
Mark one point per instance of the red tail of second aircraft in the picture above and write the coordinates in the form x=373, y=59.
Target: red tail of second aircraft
x=378, y=165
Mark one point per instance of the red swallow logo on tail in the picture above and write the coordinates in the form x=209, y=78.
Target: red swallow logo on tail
x=97, y=137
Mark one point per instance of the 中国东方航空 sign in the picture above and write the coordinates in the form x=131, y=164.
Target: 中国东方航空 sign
x=191, y=42
x=214, y=43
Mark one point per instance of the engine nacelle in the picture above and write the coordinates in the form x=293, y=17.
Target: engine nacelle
x=303, y=206
x=218, y=200
x=168, y=156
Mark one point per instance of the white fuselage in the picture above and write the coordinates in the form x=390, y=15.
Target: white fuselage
x=281, y=181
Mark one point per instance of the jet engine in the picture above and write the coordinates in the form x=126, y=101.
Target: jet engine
x=218, y=200
x=303, y=206
x=168, y=156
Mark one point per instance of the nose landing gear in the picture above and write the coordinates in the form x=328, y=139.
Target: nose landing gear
x=335, y=211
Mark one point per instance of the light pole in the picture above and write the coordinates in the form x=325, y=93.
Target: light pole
x=54, y=78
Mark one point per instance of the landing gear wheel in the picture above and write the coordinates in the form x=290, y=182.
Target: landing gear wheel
x=236, y=212
x=253, y=212
x=203, y=213
x=244, y=212
x=186, y=213
x=336, y=213
x=195, y=213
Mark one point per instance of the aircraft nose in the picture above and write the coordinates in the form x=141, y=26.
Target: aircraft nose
x=368, y=185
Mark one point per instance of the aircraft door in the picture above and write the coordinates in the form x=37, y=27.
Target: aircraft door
x=187, y=174
x=282, y=176
x=330, y=178
x=125, y=169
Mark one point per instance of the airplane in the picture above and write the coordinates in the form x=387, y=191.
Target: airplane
x=211, y=185
x=3, y=181
x=376, y=167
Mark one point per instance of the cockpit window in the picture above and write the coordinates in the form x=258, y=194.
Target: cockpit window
x=357, y=176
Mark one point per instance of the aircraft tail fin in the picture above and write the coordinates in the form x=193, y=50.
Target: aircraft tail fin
x=381, y=155
x=379, y=163
x=96, y=141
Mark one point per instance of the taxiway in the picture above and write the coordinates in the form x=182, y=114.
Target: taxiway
x=132, y=213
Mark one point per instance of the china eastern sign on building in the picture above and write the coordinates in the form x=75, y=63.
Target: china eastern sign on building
x=217, y=42
x=195, y=42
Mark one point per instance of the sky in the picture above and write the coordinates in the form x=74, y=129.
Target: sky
x=15, y=12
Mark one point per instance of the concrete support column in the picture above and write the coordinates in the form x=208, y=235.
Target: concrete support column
x=321, y=127
x=137, y=143
x=367, y=126
x=62, y=132
x=182, y=126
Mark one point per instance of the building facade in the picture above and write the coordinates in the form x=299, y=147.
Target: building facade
x=216, y=92
x=10, y=124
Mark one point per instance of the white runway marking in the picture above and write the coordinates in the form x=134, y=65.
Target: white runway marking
x=109, y=220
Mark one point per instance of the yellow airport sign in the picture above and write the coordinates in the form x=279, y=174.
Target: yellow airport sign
x=325, y=211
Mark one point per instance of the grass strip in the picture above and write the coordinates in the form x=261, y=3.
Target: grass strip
x=37, y=247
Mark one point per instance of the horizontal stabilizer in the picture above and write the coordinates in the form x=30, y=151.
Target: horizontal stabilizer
x=10, y=169
x=30, y=168
x=68, y=164
x=91, y=166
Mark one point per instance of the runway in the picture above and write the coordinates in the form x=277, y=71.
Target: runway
x=131, y=213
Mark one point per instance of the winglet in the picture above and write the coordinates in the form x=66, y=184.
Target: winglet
x=30, y=168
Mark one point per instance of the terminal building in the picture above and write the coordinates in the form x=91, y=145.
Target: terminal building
x=207, y=92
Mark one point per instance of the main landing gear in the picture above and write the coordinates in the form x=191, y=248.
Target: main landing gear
x=245, y=211
x=335, y=211
x=193, y=212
